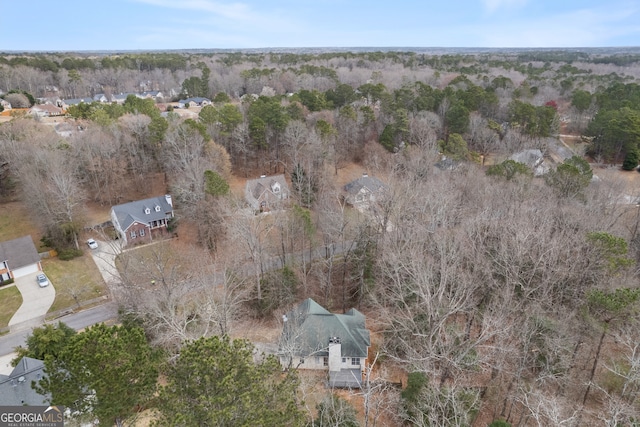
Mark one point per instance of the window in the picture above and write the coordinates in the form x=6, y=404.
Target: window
x=147, y=211
x=141, y=233
x=362, y=197
x=301, y=360
x=344, y=360
x=133, y=234
x=355, y=361
x=325, y=361
x=157, y=208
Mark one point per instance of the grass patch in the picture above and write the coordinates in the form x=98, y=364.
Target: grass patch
x=11, y=301
x=76, y=281
x=15, y=222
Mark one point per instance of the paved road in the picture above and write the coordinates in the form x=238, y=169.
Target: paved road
x=77, y=321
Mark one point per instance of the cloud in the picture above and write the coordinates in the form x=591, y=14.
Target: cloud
x=493, y=5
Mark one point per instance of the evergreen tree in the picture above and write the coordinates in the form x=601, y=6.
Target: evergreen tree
x=214, y=184
x=46, y=341
x=109, y=373
x=215, y=382
x=631, y=160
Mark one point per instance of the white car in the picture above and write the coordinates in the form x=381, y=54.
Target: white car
x=42, y=280
x=92, y=244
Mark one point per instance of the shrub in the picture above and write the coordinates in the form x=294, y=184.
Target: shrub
x=69, y=254
x=6, y=282
x=631, y=160
x=509, y=169
x=172, y=224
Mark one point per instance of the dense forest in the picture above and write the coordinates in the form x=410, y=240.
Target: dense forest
x=506, y=294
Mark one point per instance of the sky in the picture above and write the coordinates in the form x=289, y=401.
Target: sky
x=77, y=25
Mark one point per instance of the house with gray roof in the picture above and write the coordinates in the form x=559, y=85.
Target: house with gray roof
x=18, y=257
x=195, y=101
x=120, y=98
x=153, y=94
x=314, y=338
x=66, y=103
x=101, y=97
x=534, y=159
x=267, y=192
x=15, y=388
x=364, y=191
x=137, y=221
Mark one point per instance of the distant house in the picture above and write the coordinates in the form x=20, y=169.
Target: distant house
x=15, y=388
x=153, y=94
x=101, y=97
x=267, y=192
x=45, y=110
x=314, y=338
x=364, y=191
x=120, y=98
x=18, y=257
x=5, y=104
x=197, y=101
x=534, y=159
x=66, y=103
x=137, y=221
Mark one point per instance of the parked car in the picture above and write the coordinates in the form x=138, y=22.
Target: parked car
x=42, y=280
x=92, y=244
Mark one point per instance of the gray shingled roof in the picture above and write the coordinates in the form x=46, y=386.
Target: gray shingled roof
x=19, y=252
x=195, y=100
x=74, y=101
x=311, y=326
x=256, y=187
x=371, y=183
x=16, y=390
x=128, y=213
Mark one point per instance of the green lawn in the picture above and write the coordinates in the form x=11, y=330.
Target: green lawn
x=11, y=300
x=75, y=281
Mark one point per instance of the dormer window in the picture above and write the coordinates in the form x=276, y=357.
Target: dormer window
x=275, y=187
x=157, y=208
x=147, y=211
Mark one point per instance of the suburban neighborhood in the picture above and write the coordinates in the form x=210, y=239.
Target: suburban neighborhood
x=321, y=237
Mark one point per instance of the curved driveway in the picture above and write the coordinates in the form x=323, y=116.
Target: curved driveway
x=36, y=302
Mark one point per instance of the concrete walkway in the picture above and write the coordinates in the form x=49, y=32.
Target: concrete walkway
x=36, y=302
